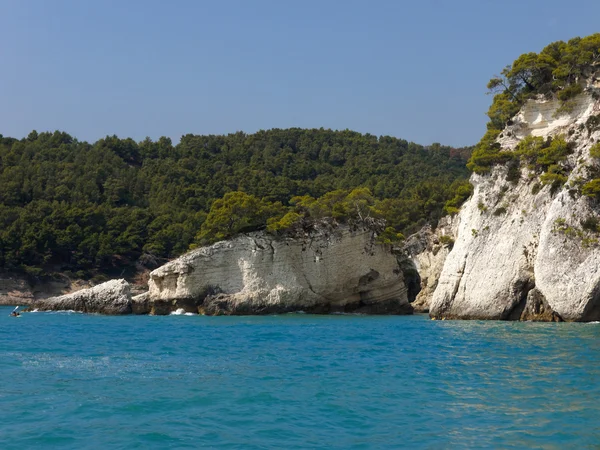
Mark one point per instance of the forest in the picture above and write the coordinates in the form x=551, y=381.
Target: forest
x=95, y=209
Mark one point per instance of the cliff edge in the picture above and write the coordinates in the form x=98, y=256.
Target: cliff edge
x=527, y=242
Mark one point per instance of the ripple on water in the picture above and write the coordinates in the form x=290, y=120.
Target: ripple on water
x=295, y=381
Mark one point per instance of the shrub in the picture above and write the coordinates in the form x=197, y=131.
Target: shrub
x=557, y=151
x=593, y=123
x=595, y=150
x=390, y=236
x=488, y=153
x=529, y=148
x=446, y=240
x=513, y=175
x=285, y=223
x=592, y=188
x=462, y=193
x=451, y=210
x=590, y=223
x=554, y=177
x=569, y=92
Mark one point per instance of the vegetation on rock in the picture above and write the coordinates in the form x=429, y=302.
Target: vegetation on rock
x=67, y=205
x=557, y=71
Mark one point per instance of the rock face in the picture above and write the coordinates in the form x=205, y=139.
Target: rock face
x=112, y=297
x=330, y=270
x=428, y=250
x=17, y=289
x=522, y=250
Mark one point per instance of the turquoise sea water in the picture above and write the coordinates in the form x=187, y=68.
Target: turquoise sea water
x=295, y=381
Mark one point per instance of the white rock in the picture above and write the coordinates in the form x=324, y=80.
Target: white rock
x=112, y=297
x=498, y=256
x=258, y=274
x=428, y=250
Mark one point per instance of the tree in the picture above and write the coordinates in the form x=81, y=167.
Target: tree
x=236, y=212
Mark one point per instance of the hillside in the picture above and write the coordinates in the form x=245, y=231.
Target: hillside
x=98, y=208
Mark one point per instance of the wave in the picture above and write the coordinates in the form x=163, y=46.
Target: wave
x=181, y=312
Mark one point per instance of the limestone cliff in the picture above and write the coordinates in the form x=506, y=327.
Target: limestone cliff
x=327, y=270
x=523, y=250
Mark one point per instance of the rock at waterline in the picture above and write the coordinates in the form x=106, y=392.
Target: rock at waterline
x=112, y=298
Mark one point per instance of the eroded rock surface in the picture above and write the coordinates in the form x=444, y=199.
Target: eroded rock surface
x=427, y=250
x=523, y=243
x=112, y=297
x=328, y=270
x=15, y=290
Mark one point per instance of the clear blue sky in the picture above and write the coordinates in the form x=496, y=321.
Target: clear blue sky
x=411, y=69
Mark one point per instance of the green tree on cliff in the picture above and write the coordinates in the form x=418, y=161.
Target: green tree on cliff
x=557, y=71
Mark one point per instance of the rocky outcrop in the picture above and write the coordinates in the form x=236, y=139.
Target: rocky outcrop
x=141, y=304
x=427, y=250
x=522, y=249
x=325, y=271
x=112, y=297
x=535, y=308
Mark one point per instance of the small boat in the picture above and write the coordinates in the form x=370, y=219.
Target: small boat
x=15, y=313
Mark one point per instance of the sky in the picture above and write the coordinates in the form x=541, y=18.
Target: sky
x=416, y=70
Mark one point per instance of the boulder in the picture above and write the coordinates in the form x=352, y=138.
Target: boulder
x=112, y=297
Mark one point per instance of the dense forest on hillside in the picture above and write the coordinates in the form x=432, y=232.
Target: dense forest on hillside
x=67, y=205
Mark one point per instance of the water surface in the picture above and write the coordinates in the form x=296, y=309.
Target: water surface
x=295, y=381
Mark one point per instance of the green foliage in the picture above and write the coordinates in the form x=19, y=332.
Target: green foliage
x=513, y=174
x=569, y=92
x=592, y=123
x=591, y=223
x=67, y=205
x=446, y=240
x=451, y=210
x=500, y=211
x=554, y=177
x=390, y=236
x=488, y=153
x=592, y=188
x=463, y=191
x=553, y=154
x=234, y=213
x=595, y=150
x=587, y=234
x=559, y=69
x=529, y=148
x=289, y=220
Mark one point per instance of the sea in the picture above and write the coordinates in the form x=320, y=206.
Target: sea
x=295, y=381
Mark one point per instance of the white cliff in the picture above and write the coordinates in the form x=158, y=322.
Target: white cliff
x=521, y=251
x=328, y=270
